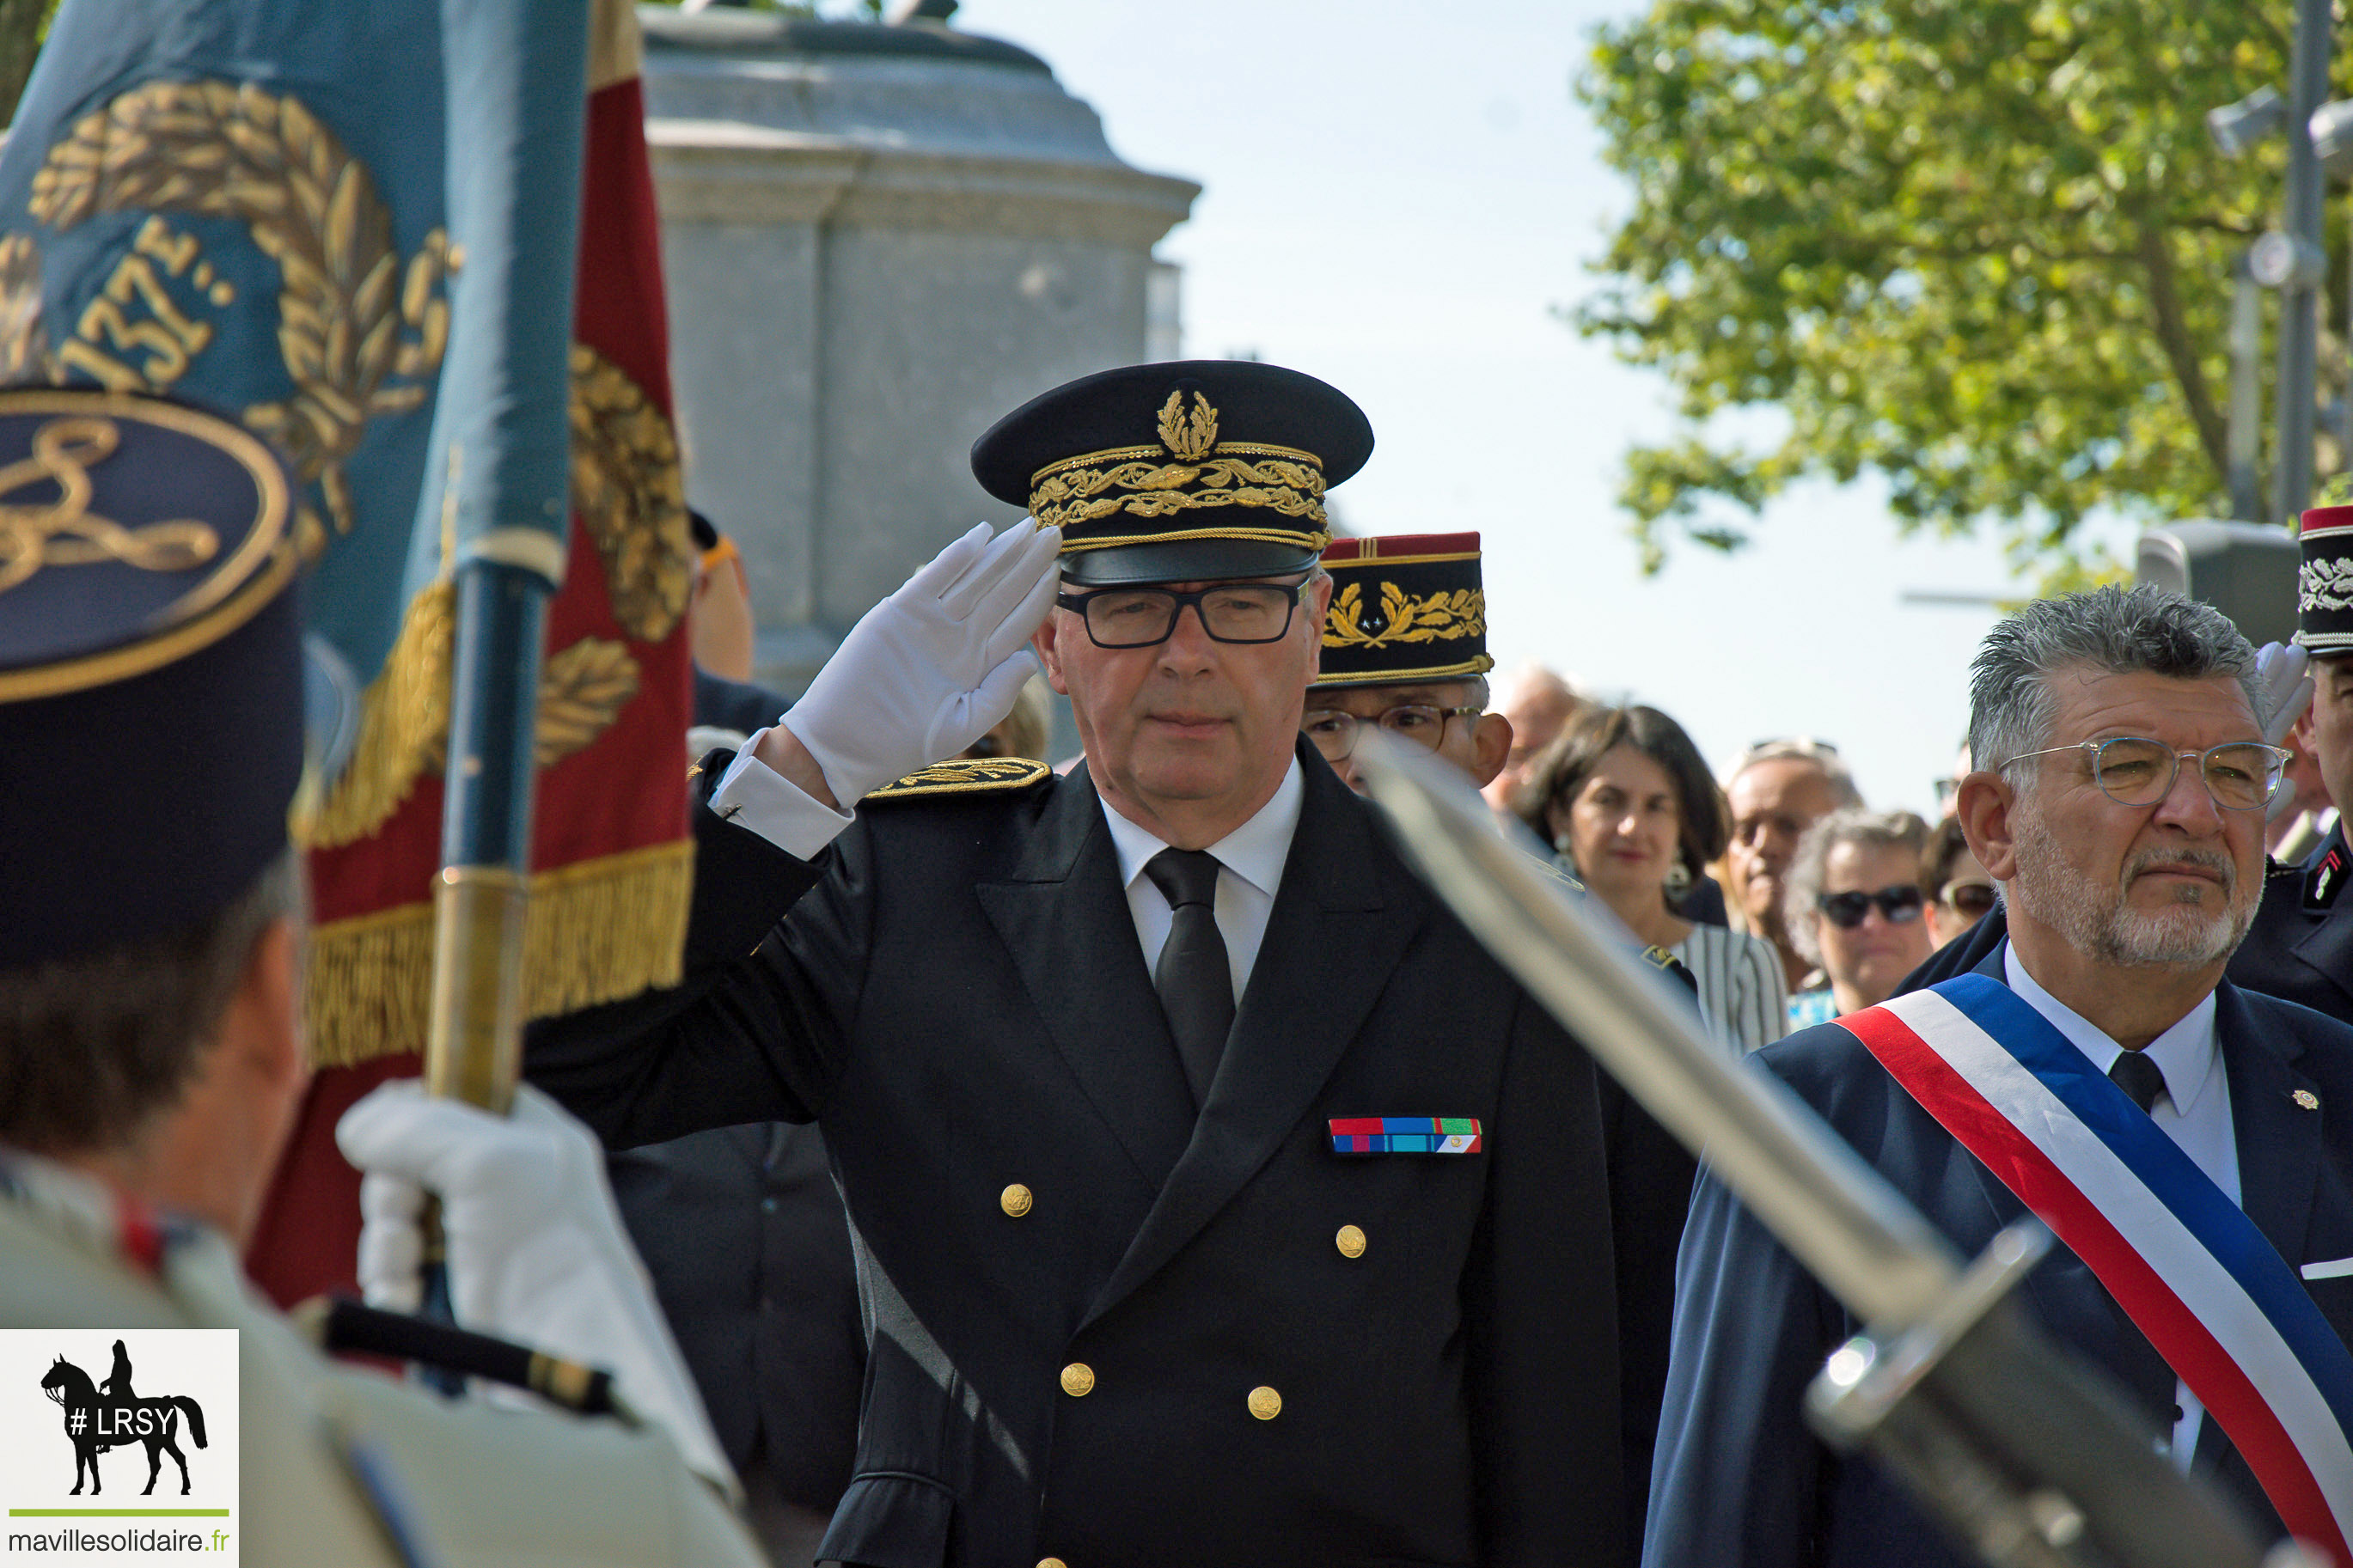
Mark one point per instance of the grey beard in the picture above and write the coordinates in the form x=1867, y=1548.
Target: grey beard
x=2099, y=924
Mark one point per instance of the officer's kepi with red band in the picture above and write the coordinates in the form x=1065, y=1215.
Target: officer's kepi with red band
x=2222, y=1308
x=1406, y=609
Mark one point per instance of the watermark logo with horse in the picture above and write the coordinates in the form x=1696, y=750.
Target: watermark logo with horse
x=105, y=1399
x=109, y=1415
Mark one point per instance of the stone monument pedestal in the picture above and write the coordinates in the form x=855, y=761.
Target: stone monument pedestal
x=876, y=240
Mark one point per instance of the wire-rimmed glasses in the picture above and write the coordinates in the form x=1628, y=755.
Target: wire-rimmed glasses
x=2134, y=770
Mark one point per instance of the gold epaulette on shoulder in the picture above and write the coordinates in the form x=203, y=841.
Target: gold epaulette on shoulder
x=1660, y=958
x=966, y=775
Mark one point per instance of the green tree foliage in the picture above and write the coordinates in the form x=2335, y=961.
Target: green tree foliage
x=23, y=25
x=1981, y=247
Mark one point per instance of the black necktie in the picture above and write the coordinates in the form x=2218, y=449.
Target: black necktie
x=2138, y=1076
x=1194, y=981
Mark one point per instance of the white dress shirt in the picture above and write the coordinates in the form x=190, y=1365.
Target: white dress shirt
x=753, y=794
x=1250, y=869
x=2195, y=1112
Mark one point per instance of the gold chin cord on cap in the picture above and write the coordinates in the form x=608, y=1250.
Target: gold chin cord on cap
x=1190, y=470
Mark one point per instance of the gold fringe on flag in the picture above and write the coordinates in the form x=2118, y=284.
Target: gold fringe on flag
x=599, y=931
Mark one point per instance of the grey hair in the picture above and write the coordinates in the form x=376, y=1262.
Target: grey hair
x=2142, y=630
x=1804, y=749
x=1870, y=829
x=94, y=1047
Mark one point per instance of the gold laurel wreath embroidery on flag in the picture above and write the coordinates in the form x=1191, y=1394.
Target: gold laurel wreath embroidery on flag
x=582, y=692
x=352, y=316
x=627, y=488
x=1441, y=617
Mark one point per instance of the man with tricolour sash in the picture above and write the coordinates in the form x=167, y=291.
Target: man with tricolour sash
x=2185, y=1139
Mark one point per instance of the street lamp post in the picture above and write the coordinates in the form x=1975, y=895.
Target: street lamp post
x=2246, y=438
x=2332, y=145
x=2299, y=350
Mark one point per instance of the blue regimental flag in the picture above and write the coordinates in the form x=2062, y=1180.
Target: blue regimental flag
x=253, y=204
x=241, y=202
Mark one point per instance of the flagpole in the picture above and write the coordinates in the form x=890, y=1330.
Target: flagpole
x=515, y=72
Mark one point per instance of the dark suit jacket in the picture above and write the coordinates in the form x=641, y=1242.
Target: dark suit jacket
x=959, y=994
x=2299, y=947
x=743, y=1231
x=1740, y=1480
x=2290, y=951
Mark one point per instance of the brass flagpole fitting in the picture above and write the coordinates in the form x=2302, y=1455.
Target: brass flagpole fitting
x=474, y=1037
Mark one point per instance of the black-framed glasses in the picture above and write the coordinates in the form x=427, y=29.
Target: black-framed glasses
x=1334, y=732
x=1146, y=616
x=2134, y=770
x=1899, y=905
x=1970, y=900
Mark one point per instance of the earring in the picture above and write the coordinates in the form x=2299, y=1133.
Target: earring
x=1679, y=880
x=1560, y=842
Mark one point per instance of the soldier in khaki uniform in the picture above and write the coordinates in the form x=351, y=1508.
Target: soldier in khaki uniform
x=149, y=744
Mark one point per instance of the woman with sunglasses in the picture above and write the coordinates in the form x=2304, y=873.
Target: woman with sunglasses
x=1960, y=891
x=1855, y=907
x=1625, y=797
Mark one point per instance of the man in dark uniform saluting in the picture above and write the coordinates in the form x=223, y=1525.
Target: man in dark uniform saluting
x=1217, y=1199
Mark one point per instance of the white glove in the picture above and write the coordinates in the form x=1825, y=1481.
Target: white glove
x=537, y=1251
x=2283, y=691
x=933, y=667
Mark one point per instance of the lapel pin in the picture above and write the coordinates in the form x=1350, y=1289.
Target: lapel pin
x=2307, y=1098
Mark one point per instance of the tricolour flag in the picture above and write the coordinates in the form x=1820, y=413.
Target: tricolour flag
x=2215, y=1298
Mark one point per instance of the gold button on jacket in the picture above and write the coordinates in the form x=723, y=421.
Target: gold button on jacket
x=1051, y=1562
x=1265, y=1402
x=1078, y=1380
x=1350, y=1241
x=1016, y=1200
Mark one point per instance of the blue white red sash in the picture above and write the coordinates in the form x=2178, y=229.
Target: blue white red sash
x=2212, y=1295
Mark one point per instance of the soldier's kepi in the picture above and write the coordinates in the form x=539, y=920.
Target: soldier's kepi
x=1190, y=470
x=150, y=698
x=1405, y=649
x=2323, y=621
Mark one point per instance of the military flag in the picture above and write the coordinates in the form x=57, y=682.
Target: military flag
x=246, y=202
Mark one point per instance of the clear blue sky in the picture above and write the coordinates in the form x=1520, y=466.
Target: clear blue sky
x=1397, y=197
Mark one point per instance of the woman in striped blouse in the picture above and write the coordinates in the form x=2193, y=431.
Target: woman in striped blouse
x=1625, y=798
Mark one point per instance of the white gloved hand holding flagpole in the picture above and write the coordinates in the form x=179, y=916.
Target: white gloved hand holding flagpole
x=537, y=1249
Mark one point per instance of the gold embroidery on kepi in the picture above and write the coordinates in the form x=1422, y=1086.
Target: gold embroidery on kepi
x=209, y=576
x=65, y=532
x=1286, y=481
x=1406, y=609
x=2324, y=581
x=1200, y=469
x=966, y=775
